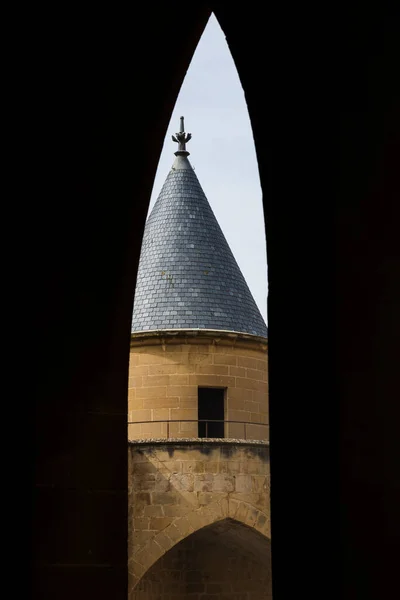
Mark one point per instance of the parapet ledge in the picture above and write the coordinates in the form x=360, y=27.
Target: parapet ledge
x=187, y=441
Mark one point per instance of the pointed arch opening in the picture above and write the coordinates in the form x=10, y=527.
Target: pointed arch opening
x=224, y=560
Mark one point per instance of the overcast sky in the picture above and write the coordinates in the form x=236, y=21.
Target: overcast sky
x=222, y=153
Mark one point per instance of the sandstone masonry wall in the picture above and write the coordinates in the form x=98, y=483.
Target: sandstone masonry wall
x=164, y=376
x=177, y=489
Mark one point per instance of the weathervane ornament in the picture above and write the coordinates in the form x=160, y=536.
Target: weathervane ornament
x=182, y=139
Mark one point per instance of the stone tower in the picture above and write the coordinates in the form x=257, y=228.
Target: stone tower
x=198, y=435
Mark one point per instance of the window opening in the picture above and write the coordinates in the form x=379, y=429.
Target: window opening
x=211, y=412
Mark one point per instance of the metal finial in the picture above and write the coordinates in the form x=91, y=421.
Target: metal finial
x=182, y=139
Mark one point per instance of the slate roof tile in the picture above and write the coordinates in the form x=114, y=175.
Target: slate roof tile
x=188, y=277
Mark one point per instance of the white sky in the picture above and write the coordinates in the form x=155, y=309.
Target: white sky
x=222, y=153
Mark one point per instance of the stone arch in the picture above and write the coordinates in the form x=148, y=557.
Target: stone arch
x=239, y=511
x=223, y=557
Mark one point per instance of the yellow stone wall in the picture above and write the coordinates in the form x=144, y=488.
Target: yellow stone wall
x=165, y=373
x=177, y=489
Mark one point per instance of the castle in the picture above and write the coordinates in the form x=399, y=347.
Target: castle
x=198, y=434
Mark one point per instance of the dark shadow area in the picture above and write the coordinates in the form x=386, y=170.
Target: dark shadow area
x=92, y=95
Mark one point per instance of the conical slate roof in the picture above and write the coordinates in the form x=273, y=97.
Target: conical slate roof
x=188, y=277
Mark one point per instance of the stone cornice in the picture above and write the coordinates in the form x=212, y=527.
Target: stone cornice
x=197, y=336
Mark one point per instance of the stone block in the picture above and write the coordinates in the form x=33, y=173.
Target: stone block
x=223, y=348
x=188, y=401
x=164, y=369
x=182, y=390
x=251, y=406
x=225, y=359
x=233, y=507
x=261, y=397
x=255, y=467
x=160, y=523
x=254, y=374
x=212, y=370
x=200, y=358
x=140, y=538
x=234, y=404
x=246, y=383
x=160, y=414
x=203, y=483
x=256, y=417
x=153, y=511
x=212, y=380
x=144, y=483
x=171, y=466
x=152, y=430
x=185, y=368
x=243, y=483
x=184, y=526
x=245, y=361
x=176, y=358
x=261, y=386
x=133, y=358
x=262, y=522
x=177, y=510
x=160, y=402
x=242, y=511
x=223, y=482
x=174, y=346
x=162, y=483
x=155, y=380
x=259, y=484
x=140, y=501
x=193, y=466
x=135, y=381
x=164, y=498
x=143, y=414
x=235, y=430
x=144, y=468
x=262, y=365
x=134, y=432
x=238, y=415
x=239, y=394
x=179, y=379
x=232, y=466
x=257, y=432
x=184, y=413
x=173, y=533
x=252, y=516
x=148, y=555
x=224, y=503
x=152, y=392
x=151, y=359
x=206, y=498
x=137, y=370
x=182, y=482
x=211, y=466
x=188, y=429
x=141, y=523
x=163, y=540
x=237, y=371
